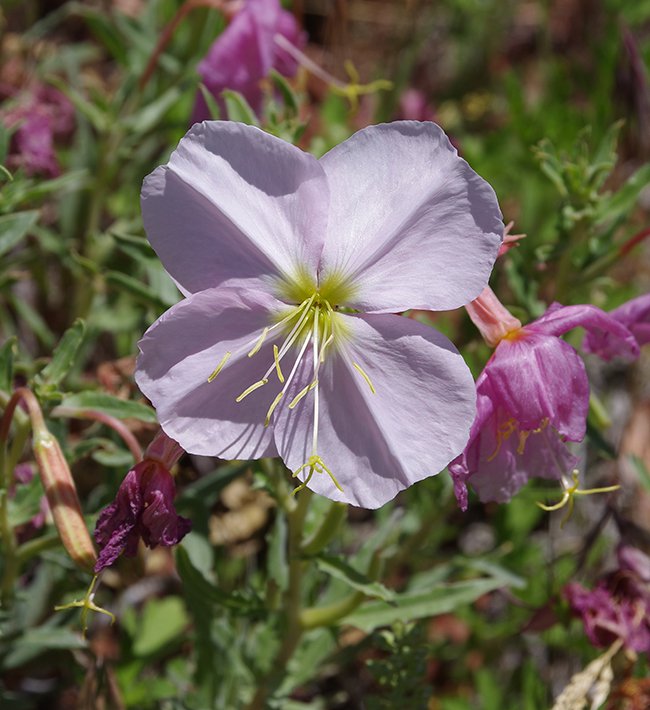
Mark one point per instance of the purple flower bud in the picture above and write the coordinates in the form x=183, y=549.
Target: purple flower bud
x=143, y=508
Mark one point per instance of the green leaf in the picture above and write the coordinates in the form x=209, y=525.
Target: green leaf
x=150, y=116
x=278, y=568
x=33, y=319
x=99, y=119
x=14, y=227
x=36, y=641
x=622, y=201
x=211, y=102
x=440, y=600
x=115, y=407
x=238, y=108
x=136, y=288
x=162, y=622
x=64, y=355
x=341, y=570
x=288, y=94
x=7, y=355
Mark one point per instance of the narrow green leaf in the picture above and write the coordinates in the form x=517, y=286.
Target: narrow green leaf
x=288, y=94
x=150, y=116
x=238, y=108
x=115, y=407
x=99, y=119
x=33, y=319
x=14, y=227
x=64, y=355
x=622, y=201
x=211, y=102
x=278, y=567
x=162, y=622
x=341, y=570
x=440, y=600
x=7, y=355
x=36, y=641
x=136, y=288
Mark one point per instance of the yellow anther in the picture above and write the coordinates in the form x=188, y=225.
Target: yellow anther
x=219, y=367
x=503, y=433
x=276, y=358
x=252, y=388
x=259, y=343
x=302, y=393
x=275, y=403
x=523, y=437
x=363, y=374
x=570, y=491
x=87, y=604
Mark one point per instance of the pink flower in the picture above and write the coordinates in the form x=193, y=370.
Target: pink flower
x=245, y=53
x=143, y=508
x=619, y=606
x=635, y=315
x=287, y=343
x=37, y=117
x=532, y=396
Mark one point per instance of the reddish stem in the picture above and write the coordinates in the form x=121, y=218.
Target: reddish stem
x=633, y=241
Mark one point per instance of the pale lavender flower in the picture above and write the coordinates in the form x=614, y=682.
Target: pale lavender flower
x=619, y=606
x=143, y=507
x=634, y=315
x=245, y=53
x=532, y=396
x=287, y=343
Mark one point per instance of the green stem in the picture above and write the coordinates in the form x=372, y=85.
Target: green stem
x=11, y=565
x=331, y=614
x=34, y=547
x=296, y=510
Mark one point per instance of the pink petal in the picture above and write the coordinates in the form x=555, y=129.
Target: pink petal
x=235, y=203
x=410, y=222
x=560, y=319
x=378, y=444
x=180, y=351
x=634, y=315
x=537, y=377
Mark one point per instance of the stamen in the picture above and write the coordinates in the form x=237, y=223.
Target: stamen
x=302, y=393
x=523, y=437
x=275, y=403
x=572, y=490
x=259, y=343
x=276, y=358
x=316, y=465
x=252, y=388
x=363, y=374
x=503, y=433
x=219, y=367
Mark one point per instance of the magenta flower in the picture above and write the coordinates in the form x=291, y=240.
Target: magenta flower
x=619, y=606
x=287, y=343
x=532, y=396
x=37, y=117
x=245, y=53
x=634, y=315
x=143, y=508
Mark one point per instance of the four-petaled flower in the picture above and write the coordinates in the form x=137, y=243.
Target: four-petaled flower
x=143, y=507
x=293, y=268
x=246, y=51
x=532, y=396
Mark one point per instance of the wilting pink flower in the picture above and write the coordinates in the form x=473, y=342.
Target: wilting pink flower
x=619, y=606
x=414, y=106
x=245, y=53
x=287, y=343
x=37, y=116
x=532, y=396
x=635, y=315
x=143, y=508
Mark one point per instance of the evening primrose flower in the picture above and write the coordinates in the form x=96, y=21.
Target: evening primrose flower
x=532, y=397
x=246, y=51
x=143, y=507
x=293, y=268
